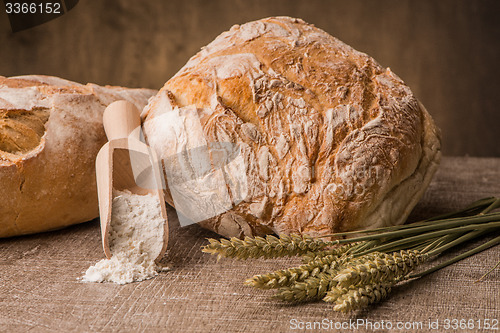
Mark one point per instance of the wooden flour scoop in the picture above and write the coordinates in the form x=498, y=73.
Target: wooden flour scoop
x=126, y=163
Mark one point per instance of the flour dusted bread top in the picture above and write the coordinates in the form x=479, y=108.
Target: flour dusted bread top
x=328, y=139
x=50, y=133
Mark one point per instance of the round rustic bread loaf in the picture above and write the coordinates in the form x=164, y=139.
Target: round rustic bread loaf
x=328, y=140
x=50, y=133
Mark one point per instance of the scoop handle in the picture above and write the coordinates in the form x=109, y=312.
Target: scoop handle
x=120, y=119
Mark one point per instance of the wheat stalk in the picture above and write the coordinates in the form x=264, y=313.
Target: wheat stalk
x=285, y=277
x=296, y=274
x=309, y=289
x=268, y=247
x=379, y=267
x=362, y=270
x=357, y=297
x=336, y=251
x=313, y=287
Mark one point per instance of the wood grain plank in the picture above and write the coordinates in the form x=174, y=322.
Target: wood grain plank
x=39, y=289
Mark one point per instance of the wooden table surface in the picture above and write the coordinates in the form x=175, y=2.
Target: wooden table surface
x=39, y=290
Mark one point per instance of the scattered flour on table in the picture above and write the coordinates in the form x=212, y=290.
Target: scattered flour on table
x=135, y=240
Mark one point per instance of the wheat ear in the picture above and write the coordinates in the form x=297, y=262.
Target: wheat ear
x=379, y=267
x=268, y=247
x=357, y=297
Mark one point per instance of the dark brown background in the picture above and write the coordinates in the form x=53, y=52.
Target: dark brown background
x=447, y=51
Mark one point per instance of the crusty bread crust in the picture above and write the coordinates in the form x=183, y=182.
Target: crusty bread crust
x=331, y=140
x=50, y=133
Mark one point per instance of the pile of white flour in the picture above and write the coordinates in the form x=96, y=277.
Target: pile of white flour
x=135, y=240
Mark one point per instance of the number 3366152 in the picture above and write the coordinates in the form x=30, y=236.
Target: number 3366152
x=32, y=8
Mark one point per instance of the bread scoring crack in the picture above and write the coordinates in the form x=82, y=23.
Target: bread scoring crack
x=21, y=131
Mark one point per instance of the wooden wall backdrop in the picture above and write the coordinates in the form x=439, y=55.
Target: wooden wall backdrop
x=447, y=51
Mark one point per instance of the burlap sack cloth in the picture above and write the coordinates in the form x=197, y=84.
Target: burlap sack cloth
x=39, y=288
